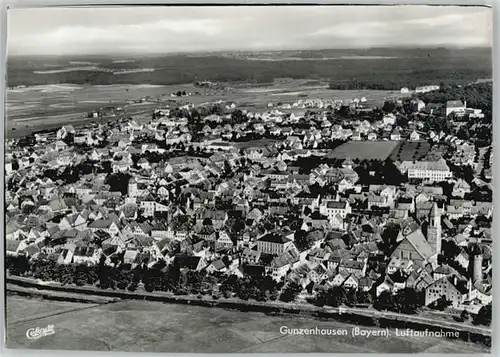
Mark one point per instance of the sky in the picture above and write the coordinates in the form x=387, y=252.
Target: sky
x=142, y=30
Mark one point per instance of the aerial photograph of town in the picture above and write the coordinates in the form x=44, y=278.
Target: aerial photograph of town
x=255, y=179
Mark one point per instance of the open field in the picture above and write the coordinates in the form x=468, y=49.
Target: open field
x=42, y=107
x=23, y=309
x=32, y=101
x=157, y=327
x=254, y=144
x=61, y=99
x=409, y=151
x=364, y=150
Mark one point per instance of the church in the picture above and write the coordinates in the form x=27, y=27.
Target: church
x=418, y=247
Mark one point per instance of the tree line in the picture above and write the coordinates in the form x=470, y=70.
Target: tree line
x=170, y=278
x=422, y=69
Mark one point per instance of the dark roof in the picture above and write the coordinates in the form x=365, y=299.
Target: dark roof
x=351, y=264
x=32, y=249
x=186, y=261
x=109, y=249
x=254, y=270
x=101, y=223
x=334, y=234
x=84, y=251
x=333, y=204
x=318, y=216
x=274, y=238
x=218, y=264
x=397, y=277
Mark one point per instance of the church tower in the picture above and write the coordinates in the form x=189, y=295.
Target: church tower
x=477, y=265
x=434, y=229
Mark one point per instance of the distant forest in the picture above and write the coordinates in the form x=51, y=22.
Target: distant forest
x=401, y=68
x=477, y=96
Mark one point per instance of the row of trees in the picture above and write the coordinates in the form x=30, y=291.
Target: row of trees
x=387, y=84
x=406, y=300
x=159, y=277
x=337, y=296
x=162, y=277
x=260, y=288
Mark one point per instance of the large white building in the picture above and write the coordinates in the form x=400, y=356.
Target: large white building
x=273, y=243
x=455, y=106
x=332, y=209
x=428, y=170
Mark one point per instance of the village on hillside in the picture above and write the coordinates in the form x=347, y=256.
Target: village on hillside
x=317, y=201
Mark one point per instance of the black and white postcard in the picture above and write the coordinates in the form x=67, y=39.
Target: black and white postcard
x=249, y=179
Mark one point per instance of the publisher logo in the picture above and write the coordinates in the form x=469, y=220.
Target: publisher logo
x=38, y=332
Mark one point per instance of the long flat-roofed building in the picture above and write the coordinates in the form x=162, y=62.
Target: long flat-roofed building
x=436, y=170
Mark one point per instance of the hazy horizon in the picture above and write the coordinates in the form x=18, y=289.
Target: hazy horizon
x=156, y=31
x=160, y=54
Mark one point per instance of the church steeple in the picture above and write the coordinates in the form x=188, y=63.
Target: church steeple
x=434, y=216
x=434, y=229
x=477, y=267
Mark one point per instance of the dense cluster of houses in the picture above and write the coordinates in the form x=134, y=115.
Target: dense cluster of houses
x=249, y=210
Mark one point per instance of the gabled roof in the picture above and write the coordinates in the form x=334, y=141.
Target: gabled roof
x=353, y=277
x=166, y=245
x=101, y=224
x=418, y=241
x=218, y=264
x=12, y=245
x=455, y=104
x=289, y=257
x=274, y=238
x=336, y=244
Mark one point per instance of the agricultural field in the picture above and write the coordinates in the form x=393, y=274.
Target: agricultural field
x=364, y=150
x=61, y=99
x=143, y=326
x=409, y=151
x=261, y=143
x=50, y=106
